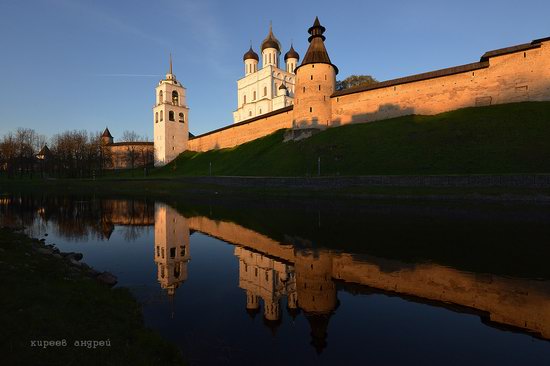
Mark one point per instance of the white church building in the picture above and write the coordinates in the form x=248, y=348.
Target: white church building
x=267, y=89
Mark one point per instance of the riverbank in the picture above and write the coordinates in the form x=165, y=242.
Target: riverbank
x=56, y=313
x=491, y=188
x=499, y=139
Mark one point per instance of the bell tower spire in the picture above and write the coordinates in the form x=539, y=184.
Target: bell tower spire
x=170, y=62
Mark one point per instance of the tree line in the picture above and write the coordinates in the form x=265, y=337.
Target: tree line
x=70, y=154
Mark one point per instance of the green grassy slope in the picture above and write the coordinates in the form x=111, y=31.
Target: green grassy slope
x=502, y=139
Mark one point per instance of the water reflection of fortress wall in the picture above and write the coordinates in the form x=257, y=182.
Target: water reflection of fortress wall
x=513, y=74
x=513, y=302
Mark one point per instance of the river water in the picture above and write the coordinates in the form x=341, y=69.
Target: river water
x=347, y=283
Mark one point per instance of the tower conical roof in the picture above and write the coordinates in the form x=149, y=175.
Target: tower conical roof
x=106, y=133
x=270, y=41
x=316, y=52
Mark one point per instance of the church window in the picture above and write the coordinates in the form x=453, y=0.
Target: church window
x=312, y=66
x=265, y=91
x=311, y=77
x=161, y=97
x=171, y=116
x=158, y=251
x=304, y=89
x=175, y=98
x=161, y=116
x=162, y=253
x=311, y=109
x=266, y=276
x=172, y=252
x=325, y=77
x=249, y=113
x=177, y=271
x=270, y=58
x=182, y=250
x=156, y=117
x=244, y=99
x=256, y=272
x=260, y=111
x=524, y=54
x=319, y=86
x=181, y=117
x=254, y=96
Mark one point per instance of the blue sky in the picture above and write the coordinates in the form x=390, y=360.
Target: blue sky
x=71, y=64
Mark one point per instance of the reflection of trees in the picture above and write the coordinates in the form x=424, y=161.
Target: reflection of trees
x=76, y=217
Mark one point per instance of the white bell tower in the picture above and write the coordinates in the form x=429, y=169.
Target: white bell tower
x=170, y=117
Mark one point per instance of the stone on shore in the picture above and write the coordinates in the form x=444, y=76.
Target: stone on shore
x=107, y=278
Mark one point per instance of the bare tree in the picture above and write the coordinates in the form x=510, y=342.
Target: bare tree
x=130, y=136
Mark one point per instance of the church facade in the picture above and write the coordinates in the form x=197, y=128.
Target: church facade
x=266, y=89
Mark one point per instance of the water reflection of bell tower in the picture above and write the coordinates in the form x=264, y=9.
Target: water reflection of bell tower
x=171, y=247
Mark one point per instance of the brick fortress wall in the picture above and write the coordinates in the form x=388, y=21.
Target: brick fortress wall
x=514, y=74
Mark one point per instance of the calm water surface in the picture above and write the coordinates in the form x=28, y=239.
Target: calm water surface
x=275, y=285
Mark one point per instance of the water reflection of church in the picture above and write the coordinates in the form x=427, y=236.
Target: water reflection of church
x=308, y=284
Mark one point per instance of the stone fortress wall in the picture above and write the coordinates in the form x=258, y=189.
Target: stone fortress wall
x=513, y=74
x=242, y=132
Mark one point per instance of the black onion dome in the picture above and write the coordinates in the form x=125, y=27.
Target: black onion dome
x=292, y=54
x=282, y=86
x=251, y=55
x=270, y=41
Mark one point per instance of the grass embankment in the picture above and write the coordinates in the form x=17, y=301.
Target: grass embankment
x=500, y=139
x=45, y=298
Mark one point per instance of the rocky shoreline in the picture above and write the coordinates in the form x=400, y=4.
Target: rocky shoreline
x=72, y=258
x=55, y=302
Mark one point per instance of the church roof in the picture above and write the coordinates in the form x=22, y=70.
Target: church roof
x=282, y=86
x=316, y=52
x=292, y=53
x=251, y=55
x=45, y=151
x=270, y=41
x=106, y=133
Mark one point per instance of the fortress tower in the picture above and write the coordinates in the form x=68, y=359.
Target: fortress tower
x=315, y=83
x=170, y=115
x=171, y=247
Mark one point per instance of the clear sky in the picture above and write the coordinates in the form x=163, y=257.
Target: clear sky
x=75, y=64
